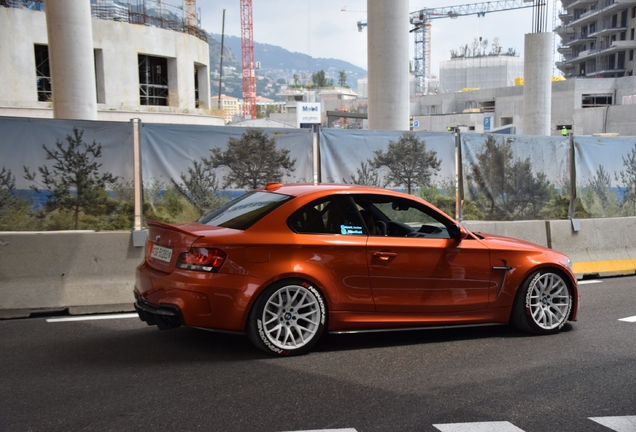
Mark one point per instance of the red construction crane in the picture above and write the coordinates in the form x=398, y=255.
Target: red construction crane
x=247, y=51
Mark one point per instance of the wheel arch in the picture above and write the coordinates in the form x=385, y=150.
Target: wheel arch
x=281, y=279
x=567, y=276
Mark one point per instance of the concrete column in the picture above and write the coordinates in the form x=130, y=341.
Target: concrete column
x=537, y=86
x=388, y=64
x=70, y=35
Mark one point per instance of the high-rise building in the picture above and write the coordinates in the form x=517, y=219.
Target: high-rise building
x=597, y=38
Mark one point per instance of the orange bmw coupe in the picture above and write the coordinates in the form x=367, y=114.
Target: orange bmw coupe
x=286, y=263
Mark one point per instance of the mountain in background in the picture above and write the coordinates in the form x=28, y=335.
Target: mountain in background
x=277, y=67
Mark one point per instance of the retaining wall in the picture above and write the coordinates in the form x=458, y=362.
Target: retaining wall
x=92, y=272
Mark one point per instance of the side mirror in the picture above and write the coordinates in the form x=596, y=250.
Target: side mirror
x=457, y=232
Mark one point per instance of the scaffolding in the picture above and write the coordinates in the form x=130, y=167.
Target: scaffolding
x=479, y=72
x=155, y=13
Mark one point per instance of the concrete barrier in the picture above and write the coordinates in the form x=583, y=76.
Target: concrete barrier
x=80, y=271
x=602, y=246
x=93, y=272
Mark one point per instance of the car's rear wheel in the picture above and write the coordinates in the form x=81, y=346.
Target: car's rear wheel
x=543, y=303
x=288, y=318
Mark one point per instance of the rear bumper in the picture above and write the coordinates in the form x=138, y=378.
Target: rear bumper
x=165, y=317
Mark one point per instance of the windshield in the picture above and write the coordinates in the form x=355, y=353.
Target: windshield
x=242, y=212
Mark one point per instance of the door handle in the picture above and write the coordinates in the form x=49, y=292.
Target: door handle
x=384, y=256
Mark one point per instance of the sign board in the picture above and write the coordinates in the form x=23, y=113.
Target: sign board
x=308, y=113
x=487, y=123
x=416, y=123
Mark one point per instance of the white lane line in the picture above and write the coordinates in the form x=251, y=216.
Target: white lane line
x=328, y=430
x=585, y=282
x=618, y=424
x=629, y=319
x=501, y=426
x=93, y=317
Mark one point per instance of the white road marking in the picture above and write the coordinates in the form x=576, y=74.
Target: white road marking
x=501, y=426
x=618, y=424
x=585, y=282
x=328, y=430
x=629, y=319
x=93, y=317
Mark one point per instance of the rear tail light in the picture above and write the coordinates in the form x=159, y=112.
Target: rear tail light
x=202, y=259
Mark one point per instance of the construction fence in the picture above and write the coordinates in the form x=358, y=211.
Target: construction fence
x=85, y=175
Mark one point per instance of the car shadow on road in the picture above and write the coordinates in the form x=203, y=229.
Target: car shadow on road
x=343, y=342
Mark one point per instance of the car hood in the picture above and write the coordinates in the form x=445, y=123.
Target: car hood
x=495, y=241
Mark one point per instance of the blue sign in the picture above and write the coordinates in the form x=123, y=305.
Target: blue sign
x=487, y=123
x=416, y=123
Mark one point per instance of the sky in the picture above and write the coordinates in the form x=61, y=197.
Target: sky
x=320, y=28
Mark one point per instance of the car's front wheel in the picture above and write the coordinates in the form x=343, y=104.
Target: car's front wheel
x=288, y=318
x=543, y=303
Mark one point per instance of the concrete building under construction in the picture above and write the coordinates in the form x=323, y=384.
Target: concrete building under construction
x=490, y=71
x=597, y=38
x=151, y=62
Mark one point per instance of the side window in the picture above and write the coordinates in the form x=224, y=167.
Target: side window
x=398, y=217
x=331, y=215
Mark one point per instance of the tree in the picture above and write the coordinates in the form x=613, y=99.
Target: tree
x=496, y=48
x=342, y=78
x=253, y=160
x=366, y=175
x=601, y=184
x=410, y=164
x=319, y=79
x=200, y=188
x=74, y=183
x=504, y=189
x=628, y=180
x=296, y=79
x=7, y=187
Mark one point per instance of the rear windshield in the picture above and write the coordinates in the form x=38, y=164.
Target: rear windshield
x=244, y=211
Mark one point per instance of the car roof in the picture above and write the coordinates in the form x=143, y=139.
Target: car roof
x=316, y=188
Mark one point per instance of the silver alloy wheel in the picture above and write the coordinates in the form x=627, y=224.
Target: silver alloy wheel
x=549, y=301
x=291, y=317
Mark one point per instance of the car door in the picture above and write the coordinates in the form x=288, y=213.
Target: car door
x=331, y=246
x=416, y=267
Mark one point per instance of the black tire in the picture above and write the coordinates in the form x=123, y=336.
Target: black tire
x=288, y=318
x=543, y=303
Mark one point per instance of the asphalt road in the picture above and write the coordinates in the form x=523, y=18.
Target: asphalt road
x=120, y=375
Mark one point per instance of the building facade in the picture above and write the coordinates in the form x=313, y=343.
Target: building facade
x=146, y=66
x=597, y=38
x=479, y=72
x=585, y=106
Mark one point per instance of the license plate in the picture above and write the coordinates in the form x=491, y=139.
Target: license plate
x=161, y=253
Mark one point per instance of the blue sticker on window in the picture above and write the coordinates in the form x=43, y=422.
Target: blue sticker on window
x=348, y=229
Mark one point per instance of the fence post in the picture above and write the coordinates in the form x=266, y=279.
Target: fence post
x=572, y=206
x=316, y=153
x=139, y=235
x=459, y=176
x=576, y=225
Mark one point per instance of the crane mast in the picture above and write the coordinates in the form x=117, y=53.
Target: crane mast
x=247, y=53
x=422, y=30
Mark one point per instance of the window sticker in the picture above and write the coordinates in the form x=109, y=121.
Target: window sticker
x=348, y=229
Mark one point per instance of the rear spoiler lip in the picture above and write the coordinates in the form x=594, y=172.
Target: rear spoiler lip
x=151, y=222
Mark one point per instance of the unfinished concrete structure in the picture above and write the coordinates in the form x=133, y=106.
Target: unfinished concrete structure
x=388, y=60
x=589, y=106
x=597, y=38
x=489, y=71
x=537, y=88
x=147, y=64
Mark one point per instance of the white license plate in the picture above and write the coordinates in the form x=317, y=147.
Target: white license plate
x=161, y=253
